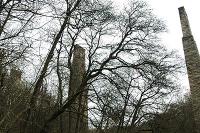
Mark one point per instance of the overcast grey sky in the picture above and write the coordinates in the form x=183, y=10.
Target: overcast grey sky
x=168, y=11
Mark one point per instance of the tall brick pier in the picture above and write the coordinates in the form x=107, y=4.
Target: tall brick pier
x=192, y=59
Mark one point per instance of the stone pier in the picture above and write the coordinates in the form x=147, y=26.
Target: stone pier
x=192, y=59
x=78, y=111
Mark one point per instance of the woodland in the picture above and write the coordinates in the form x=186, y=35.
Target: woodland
x=130, y=80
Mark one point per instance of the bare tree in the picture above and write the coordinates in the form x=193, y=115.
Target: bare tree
x=123, y=52
x=134, y=35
